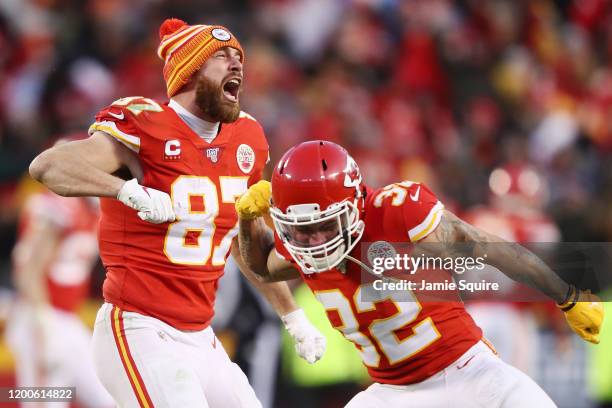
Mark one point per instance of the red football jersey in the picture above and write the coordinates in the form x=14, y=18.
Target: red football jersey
x=76, y=219
x=170, y=271
x=400, y=342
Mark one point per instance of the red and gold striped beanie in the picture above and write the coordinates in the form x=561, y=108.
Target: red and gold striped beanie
x=184, y=49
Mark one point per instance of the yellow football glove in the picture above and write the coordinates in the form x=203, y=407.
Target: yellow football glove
x=584, y=313
x=255, y=202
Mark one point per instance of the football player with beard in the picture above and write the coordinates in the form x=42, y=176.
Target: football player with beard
x=419, y=352
x=165, y=234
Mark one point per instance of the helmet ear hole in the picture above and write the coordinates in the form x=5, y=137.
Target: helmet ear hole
x=361, y=193
x=324, y=165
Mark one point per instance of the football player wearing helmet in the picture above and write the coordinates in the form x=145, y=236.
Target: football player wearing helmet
x=166, y=233
x=419, y=353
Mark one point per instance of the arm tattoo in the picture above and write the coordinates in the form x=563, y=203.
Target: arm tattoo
x=256, y=241
x=454, y=237
x=512, y=259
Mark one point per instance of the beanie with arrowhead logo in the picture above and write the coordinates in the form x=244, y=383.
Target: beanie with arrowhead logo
x=185, y=48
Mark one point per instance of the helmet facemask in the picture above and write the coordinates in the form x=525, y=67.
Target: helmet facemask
x=319, y=240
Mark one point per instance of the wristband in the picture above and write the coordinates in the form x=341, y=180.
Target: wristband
x=570, y=299
x=292, y=317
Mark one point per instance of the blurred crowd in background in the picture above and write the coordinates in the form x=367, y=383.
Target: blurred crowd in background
x=437, y=91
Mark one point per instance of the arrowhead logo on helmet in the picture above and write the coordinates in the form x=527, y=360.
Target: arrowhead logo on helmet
x=352, y=176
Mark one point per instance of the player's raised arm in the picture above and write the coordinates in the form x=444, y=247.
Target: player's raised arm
x=257, y=240
x=83, y=167
x=583, y=310
x=260, y=265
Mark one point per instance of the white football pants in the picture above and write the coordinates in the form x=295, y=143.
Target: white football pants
x=55, y=352
x=144, y=362
x=513, y=331
x=477, y=379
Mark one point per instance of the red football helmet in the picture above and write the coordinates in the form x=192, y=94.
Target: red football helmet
x=317, y=196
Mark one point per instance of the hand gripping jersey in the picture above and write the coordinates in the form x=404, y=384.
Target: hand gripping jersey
x=170, y=271
x=68, y=273
x=400, y=342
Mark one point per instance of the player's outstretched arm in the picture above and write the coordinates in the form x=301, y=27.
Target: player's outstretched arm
x=309, y=342
x=255, y=255
x=518, y=263
x=583, y=310
x=277, y=294
x=84, y=167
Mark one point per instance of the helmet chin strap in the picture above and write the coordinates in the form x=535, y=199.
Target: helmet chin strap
x=370, y=270
x=364, y=266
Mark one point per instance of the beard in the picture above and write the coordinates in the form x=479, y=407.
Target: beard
x=209, y=98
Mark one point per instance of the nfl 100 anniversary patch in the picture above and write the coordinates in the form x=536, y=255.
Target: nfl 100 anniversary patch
x=213, y=154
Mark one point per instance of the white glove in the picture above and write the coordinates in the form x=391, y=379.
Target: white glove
x=309, y=343
x=152, y=205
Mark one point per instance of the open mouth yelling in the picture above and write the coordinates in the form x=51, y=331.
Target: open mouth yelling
x=231, y=89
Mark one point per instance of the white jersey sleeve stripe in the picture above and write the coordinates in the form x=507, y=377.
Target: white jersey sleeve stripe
x=243, y=114
x=130, y=141
x=429, y=223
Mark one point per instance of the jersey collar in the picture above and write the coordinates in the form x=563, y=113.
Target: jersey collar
x=204, y=129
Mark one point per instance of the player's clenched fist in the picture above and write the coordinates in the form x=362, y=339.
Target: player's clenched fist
x=309, y=342
x=584, y=313
x=152, y=205
x=255, y=202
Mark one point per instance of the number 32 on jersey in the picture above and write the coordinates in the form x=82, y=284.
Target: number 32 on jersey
x=381, y=331
x=199, y=223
